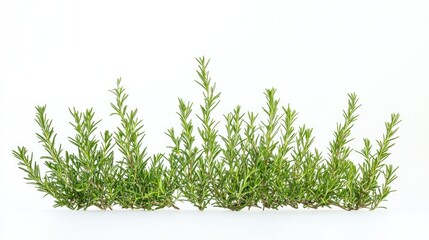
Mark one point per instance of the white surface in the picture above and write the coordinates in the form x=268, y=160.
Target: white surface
x=166, y=224
x=314, y=52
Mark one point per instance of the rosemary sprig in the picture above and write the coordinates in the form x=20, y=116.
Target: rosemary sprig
x=143, y=182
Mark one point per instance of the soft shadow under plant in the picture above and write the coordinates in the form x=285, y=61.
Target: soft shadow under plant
x=261, y=160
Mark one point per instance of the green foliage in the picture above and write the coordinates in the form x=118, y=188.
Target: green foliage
x=268, y=163
x=142, y=181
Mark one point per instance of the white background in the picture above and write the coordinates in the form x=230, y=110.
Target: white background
x=69, y=53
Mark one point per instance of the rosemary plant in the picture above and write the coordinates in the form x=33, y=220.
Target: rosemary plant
x=196, y=165
x=76, y=180
x=236, y=182
x=143, y=182
x=268, y=163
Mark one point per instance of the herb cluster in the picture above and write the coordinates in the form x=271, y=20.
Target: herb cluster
x=261, y=160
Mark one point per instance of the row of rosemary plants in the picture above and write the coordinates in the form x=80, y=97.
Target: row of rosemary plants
x=261, y=161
